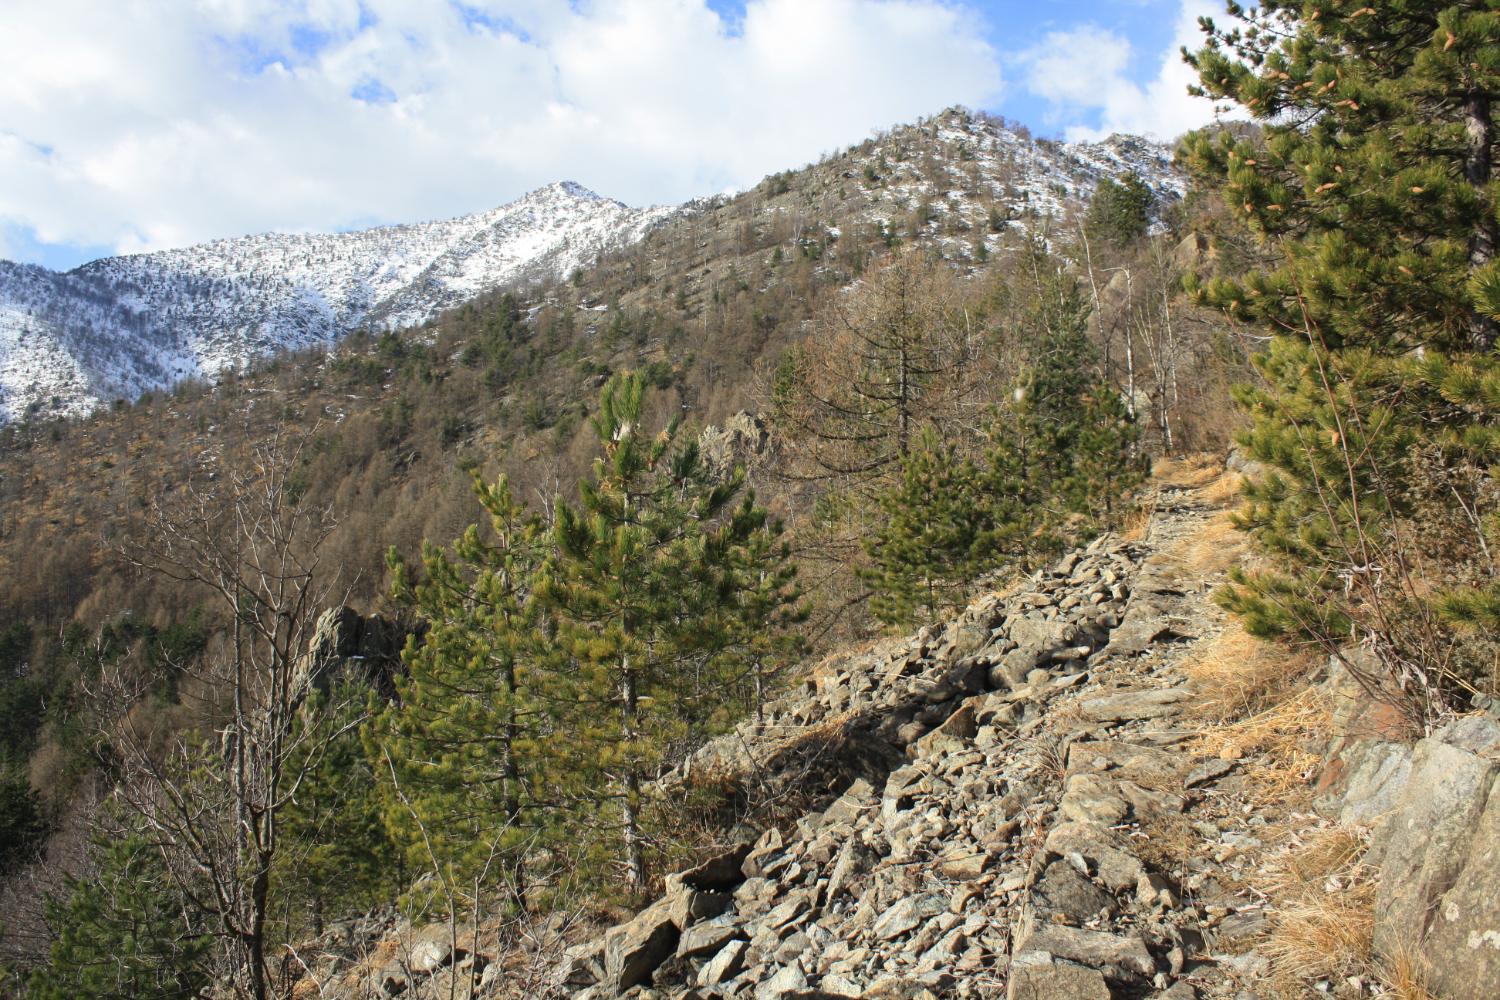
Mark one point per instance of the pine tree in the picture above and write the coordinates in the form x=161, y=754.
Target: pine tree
x=1106, y=464
x=1063, y=455
x=1120, y=210
x=1069, y=445
x=758, y=602
x=122, y=933
x=1371, y=178
x=929, y=540
x=465, y=749
x=336, y=856
x=659, y=577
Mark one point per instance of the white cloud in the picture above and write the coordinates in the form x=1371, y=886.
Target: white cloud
x=140, y=125
x=1086, y=69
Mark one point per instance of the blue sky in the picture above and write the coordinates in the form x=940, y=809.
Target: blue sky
x=1013, y=26
x=128, y=127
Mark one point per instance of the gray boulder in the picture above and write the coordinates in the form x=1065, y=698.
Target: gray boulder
x=632, y=951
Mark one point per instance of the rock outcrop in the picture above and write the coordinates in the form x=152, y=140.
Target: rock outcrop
x=346, y=645
x=1434, y=814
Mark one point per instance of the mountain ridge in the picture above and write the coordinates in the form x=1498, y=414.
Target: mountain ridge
x=119, y=326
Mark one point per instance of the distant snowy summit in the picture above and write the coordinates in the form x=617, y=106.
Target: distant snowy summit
x=117, y=327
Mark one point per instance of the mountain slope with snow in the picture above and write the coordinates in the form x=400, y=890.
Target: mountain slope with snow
x=112, y=329
x=120, y=326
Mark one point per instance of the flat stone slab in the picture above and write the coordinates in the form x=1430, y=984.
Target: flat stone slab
x=907, y=914
x=1209, y=770
x=1148, y=703
x=1033, y=977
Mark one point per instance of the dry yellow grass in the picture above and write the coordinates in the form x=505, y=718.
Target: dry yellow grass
x=1323, y=919
x=1134, y=524
x=1324, y=936
x=1224, y=491
x=1235, y=675
x=1404, y=977
x=1213, y=549
x=1280, y=736
x=1189, y=471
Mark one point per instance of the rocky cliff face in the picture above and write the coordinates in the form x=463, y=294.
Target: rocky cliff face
x=1026, y=803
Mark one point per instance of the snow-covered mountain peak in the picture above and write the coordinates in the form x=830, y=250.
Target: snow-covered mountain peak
x=116, y=327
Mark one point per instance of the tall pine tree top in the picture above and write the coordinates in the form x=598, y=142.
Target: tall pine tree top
x=1376, y=166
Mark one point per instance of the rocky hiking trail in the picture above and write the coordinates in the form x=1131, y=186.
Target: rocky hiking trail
x=1016, y=788
x=1093, y=785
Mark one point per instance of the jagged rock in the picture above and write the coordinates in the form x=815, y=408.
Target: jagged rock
x=1154, y=891
x=1037, y=976
x=1192, y=252
x=847, y=807
x=835, y=985
x=1440, y=857
x=1062, y=893
x=1116, y=955
x=789, y=981
x=953, y=736
x=583, y=965
x=963, y=863
x=1041, y=635
x=853, y=859
x=1145, y=622
x=688, y=906
x=431, y=948
x=725, y=965
x=968, y=640
x=1092, y=798
x=1091, y=846
x=1208, y=771
x=907, y=914
x=707, y=937
x=744, y=434
x=632, y=951
x=345, y=644
x=767, y=847
x=721, y=872
x=1368, y=778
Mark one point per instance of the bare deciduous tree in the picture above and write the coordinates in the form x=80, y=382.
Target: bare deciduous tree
x=211, y=793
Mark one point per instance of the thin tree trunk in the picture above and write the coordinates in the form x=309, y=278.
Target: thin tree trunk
x=635, y=860
x=903, y=415
x=512, y=780
x=760, y=696
x=1171, y=397
x=259, y=894
x=1478, y=167
x=1108, y=342
x=1129, y=354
